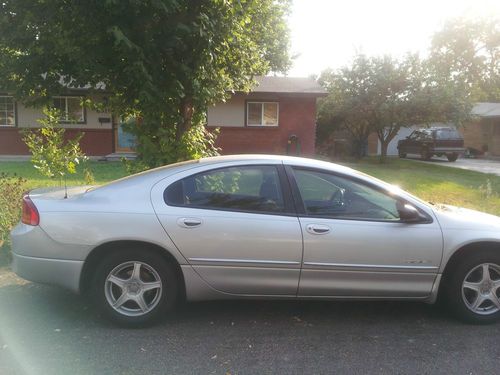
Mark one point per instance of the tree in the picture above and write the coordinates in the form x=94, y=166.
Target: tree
x=53, y=155
x=467, y=54
x=383, y=94
x=163, y=61
x=347, y=106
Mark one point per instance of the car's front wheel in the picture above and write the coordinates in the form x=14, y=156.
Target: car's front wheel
x=134, y=287
x=401, y=154
x=474, y=289
x=452, y=156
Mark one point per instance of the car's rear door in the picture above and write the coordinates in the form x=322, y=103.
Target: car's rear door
x=356, y=245
x=236, y=226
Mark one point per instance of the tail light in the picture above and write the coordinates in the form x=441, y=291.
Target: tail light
x=30, y=213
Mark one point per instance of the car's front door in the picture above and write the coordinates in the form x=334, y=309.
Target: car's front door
x=355, y=243
x=411, y=143
x=236, y=226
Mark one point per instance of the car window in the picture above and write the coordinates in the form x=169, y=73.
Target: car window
x=414, y=135
x=246, y=188
x=424, y=135
x=447, y=134
x=329, y=195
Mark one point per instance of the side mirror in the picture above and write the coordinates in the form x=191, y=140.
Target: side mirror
x=408, y=213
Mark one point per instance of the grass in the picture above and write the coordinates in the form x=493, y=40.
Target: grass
x=438, y=184
x=432, y=183
x=103, y=172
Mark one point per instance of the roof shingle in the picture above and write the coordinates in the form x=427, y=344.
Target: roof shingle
x=296, y=85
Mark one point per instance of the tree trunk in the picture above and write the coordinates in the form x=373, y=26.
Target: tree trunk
x=186, y=111
x=384, y=145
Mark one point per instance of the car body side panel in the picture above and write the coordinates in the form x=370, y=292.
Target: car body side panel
x=235, y=252
x=370, y=258
x=84, y=231
x=342, y=283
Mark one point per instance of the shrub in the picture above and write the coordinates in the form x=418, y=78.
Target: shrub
x=11, y=192
x=53, y=155
x=156, y=145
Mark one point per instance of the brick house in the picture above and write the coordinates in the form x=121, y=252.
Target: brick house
x=278, y=116
x=483, y=134
x=15, y=117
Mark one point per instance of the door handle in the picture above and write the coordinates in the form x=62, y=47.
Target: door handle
x=189, y=222
x=318, y=229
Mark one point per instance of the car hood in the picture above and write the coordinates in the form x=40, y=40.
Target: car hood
x=451, y=217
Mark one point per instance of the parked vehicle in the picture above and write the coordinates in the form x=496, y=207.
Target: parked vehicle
x=428, y=142
x=254, y=226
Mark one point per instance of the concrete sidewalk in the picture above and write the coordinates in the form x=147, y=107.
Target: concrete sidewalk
x=477, y=165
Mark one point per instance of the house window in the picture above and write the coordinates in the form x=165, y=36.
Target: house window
x=262, y=113
x=7, y=111
x=71, y=108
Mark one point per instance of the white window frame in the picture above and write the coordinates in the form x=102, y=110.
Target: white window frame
x=14, y=110
x=65, y=116
x=262, y=114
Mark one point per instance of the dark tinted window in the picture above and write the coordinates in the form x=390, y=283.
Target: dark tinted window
x=330, y=195
x=246, y=188
x=447, y=134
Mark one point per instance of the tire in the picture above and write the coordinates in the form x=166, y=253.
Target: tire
x=470, y=295
x=401, y=154
x=452, y=157
x=425, y=155
x=130, y=269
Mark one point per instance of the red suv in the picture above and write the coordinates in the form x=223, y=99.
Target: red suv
x=428, y=142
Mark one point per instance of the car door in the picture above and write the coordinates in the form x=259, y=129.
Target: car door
x=356, y=245
x=236, y=226
x=411, y=146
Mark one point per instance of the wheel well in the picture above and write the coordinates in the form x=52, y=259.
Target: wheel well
x=463, y=252
x=104, y=249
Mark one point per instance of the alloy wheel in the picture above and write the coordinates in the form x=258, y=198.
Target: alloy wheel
x=481, y=289
x=133, y=288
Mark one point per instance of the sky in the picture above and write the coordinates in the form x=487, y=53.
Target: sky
x=327, y=33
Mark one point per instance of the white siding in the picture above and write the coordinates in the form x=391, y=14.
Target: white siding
x=27, y=118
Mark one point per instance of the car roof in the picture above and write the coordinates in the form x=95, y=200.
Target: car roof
x=153, y=175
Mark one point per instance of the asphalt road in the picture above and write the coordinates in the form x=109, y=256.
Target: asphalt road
x=45, y=330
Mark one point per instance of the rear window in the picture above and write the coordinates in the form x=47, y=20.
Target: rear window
x=242, y=188
x=447, y=134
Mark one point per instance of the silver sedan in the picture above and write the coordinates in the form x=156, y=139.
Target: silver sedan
x=255, y=226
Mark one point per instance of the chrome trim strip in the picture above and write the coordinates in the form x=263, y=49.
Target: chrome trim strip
x=219, y=260
x=370, y=266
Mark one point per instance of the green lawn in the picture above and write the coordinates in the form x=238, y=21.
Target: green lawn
x=435, y=183
x=430, y=182
x=103, y=172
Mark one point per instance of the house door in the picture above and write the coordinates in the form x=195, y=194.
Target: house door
x=124, y=141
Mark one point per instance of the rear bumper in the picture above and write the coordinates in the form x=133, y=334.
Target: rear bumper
x=63, y=273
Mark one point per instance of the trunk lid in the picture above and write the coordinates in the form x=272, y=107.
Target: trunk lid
x=56, y=193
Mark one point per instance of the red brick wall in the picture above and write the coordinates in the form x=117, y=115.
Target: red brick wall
x=297, y=115
x=95, y=142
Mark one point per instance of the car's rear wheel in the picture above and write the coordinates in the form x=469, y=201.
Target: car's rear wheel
x=452, y=157
x=134, y=287
x=474, y=289
x=401, y=154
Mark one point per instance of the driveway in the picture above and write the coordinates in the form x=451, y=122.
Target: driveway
x=45, y=330
x=477, y=165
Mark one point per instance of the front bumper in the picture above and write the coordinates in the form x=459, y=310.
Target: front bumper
x=63, y=273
